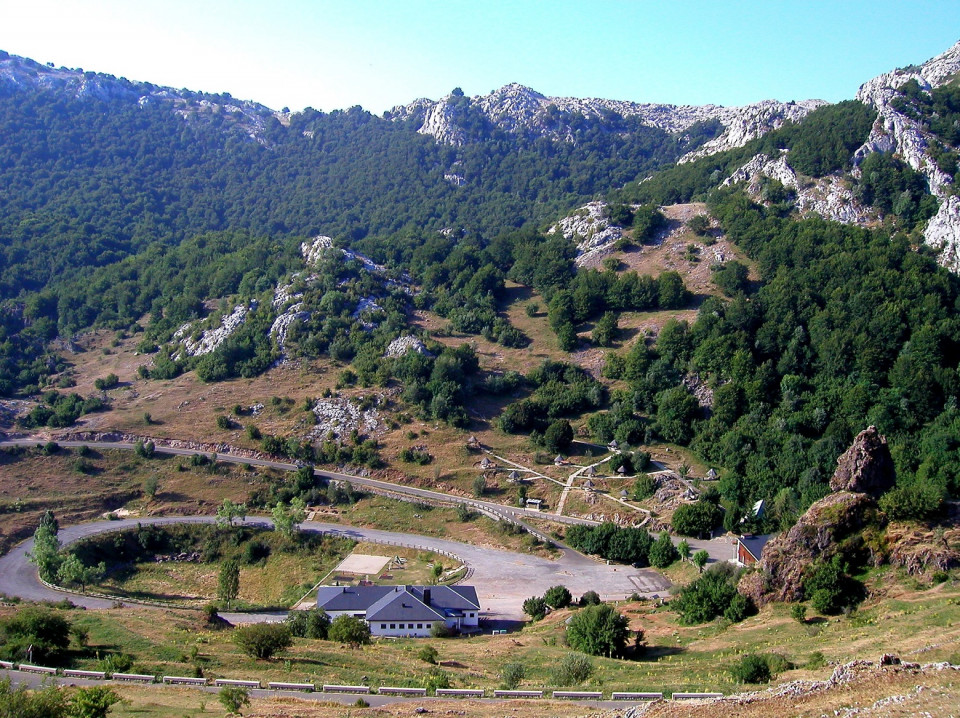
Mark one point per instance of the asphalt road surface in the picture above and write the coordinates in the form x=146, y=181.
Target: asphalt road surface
x=503, y=579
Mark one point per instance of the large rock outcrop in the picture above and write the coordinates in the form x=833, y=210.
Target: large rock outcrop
x=866, y=467
x=817, y=535
x=835, y=524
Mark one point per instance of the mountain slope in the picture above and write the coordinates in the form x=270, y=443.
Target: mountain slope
x=521, y=110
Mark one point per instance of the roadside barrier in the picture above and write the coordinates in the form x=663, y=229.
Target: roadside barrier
x=305, y=687
x=395, y=691
x=133, y=677
x=636, y=696
x=461, y=692
x=237, y=683
x=95, y=675
x=185, y=680
x=579, y=695
x=347, y=689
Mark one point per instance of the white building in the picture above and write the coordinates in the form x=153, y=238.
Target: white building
x=403, y=611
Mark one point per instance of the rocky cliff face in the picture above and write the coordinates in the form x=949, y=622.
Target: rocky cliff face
x=895, y=132
x=518, y=109
x=814, y=537
x=863, y=471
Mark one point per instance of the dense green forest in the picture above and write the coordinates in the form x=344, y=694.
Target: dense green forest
x=111, y=206
x=848, y=327
x=113, y=211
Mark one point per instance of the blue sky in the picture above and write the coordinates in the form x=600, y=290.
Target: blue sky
x=331, y=55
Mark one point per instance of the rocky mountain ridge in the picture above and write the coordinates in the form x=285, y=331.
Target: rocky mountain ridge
x=20, y=74
x=516, y=109
x=893, y=131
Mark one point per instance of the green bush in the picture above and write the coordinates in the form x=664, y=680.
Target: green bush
x=428, y=654
x=347, y=629
x=663, y=553
x=314, y=623
x=590, y=598
x=573, y=668
x=558, y=597
x=751, y=668
x=263, y=640
x=535, y=607
x=598, y=630
x=512, y=674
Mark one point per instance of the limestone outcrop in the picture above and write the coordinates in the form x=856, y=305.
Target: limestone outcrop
x=521, y=110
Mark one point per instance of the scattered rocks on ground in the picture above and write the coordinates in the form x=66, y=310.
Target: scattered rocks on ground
x=342, y=416
x=407, y=343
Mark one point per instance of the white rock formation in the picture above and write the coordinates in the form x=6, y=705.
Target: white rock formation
x=895, y=132
x=590, y=229
x=943, y=233
x=341, y=416
x=367, y=307
x=828, y=197
x=764, y=166
x=407, y=343
x=281, y=325
x=516, y=109
x=213, y=338
x=20, y=73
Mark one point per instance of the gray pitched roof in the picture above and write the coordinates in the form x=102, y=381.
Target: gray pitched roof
x=399, y=603
x=755, y=544
x=402, y=605
x=350, y=598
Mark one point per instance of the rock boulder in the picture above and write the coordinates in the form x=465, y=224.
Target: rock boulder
x=866, y=467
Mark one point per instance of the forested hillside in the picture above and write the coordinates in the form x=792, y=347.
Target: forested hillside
x=135, y=217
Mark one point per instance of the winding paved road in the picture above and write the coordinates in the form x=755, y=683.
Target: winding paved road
x=503, y=578
x=719, y=548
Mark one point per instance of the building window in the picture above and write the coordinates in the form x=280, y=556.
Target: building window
x=383, y=625
x=393, y=625
x=419, y=625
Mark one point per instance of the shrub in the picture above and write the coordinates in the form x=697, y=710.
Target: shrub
x=512, y=674
x=107, y=382
x=751, y=668
x=48, y=632
x=798, y=612
x=598, y=630
x=535, y=607
x=314, y=623
x=738, y=609
x=436, y=679
x=428, y=654
x=816, y=660
x=574, y=668
x=347, y=629
x=93, y=702
x=590, y=598
x=663, y=553
x=696, y=519
x=644, y=487
x=558, y=597
x=263, y=640
x=233, y=698
x=711, y=595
